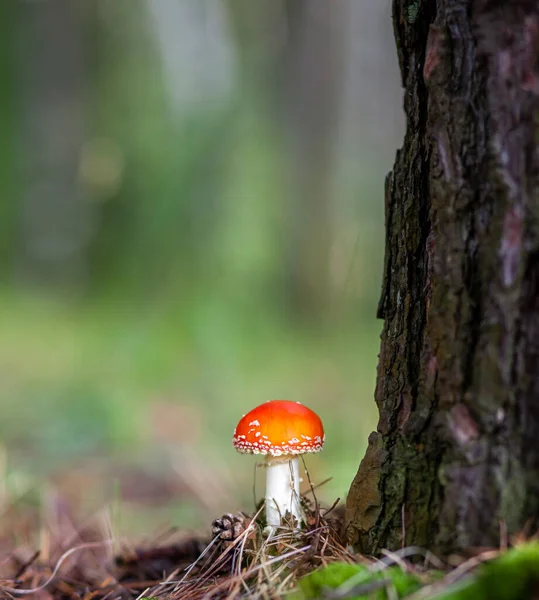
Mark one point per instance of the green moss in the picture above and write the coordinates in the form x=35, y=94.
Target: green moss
x=336, y=575
x=413, y=12
x=513, y=497
x=513, y=576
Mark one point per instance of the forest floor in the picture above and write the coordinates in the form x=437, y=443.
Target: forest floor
x=58, y=560
x=235, y=559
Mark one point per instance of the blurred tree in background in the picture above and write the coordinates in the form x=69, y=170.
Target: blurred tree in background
x=191, y=219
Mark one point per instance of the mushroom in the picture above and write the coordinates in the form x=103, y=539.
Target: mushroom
x=281, y=430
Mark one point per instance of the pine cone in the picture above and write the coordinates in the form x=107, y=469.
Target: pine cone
x=229, y=526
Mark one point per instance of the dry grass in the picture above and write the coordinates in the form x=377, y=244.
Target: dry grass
x=58, y=560
x=49, y=558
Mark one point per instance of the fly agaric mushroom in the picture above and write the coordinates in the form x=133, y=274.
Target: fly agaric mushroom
x=281, y=430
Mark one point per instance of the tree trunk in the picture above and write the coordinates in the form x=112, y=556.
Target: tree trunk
x=456, y=453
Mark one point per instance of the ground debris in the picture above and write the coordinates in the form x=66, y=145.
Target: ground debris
x=238, y=559
x=229, y=527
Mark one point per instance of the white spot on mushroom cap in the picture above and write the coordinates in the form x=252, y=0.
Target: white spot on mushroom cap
x=265, y=447
x=255, y=423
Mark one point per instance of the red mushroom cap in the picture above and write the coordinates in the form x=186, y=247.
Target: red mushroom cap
x=279, y=427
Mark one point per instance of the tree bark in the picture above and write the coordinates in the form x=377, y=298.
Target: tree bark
x=456, y=451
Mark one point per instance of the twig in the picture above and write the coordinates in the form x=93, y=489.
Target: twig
x=277, y=559
x=242, y=548
x=396, y=559
x=456, y=574
x=202, y=555
x=404, y=553
x=316, y=505
x=318, y=485
x=326, y=513
x=61, y=560
x=25, y=565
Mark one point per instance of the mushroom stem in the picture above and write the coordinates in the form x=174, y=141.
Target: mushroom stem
x=282, y=490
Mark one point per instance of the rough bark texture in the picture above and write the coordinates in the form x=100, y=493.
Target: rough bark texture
x=457, y=445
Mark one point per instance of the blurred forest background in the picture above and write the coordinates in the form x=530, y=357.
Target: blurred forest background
x=191, y=223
